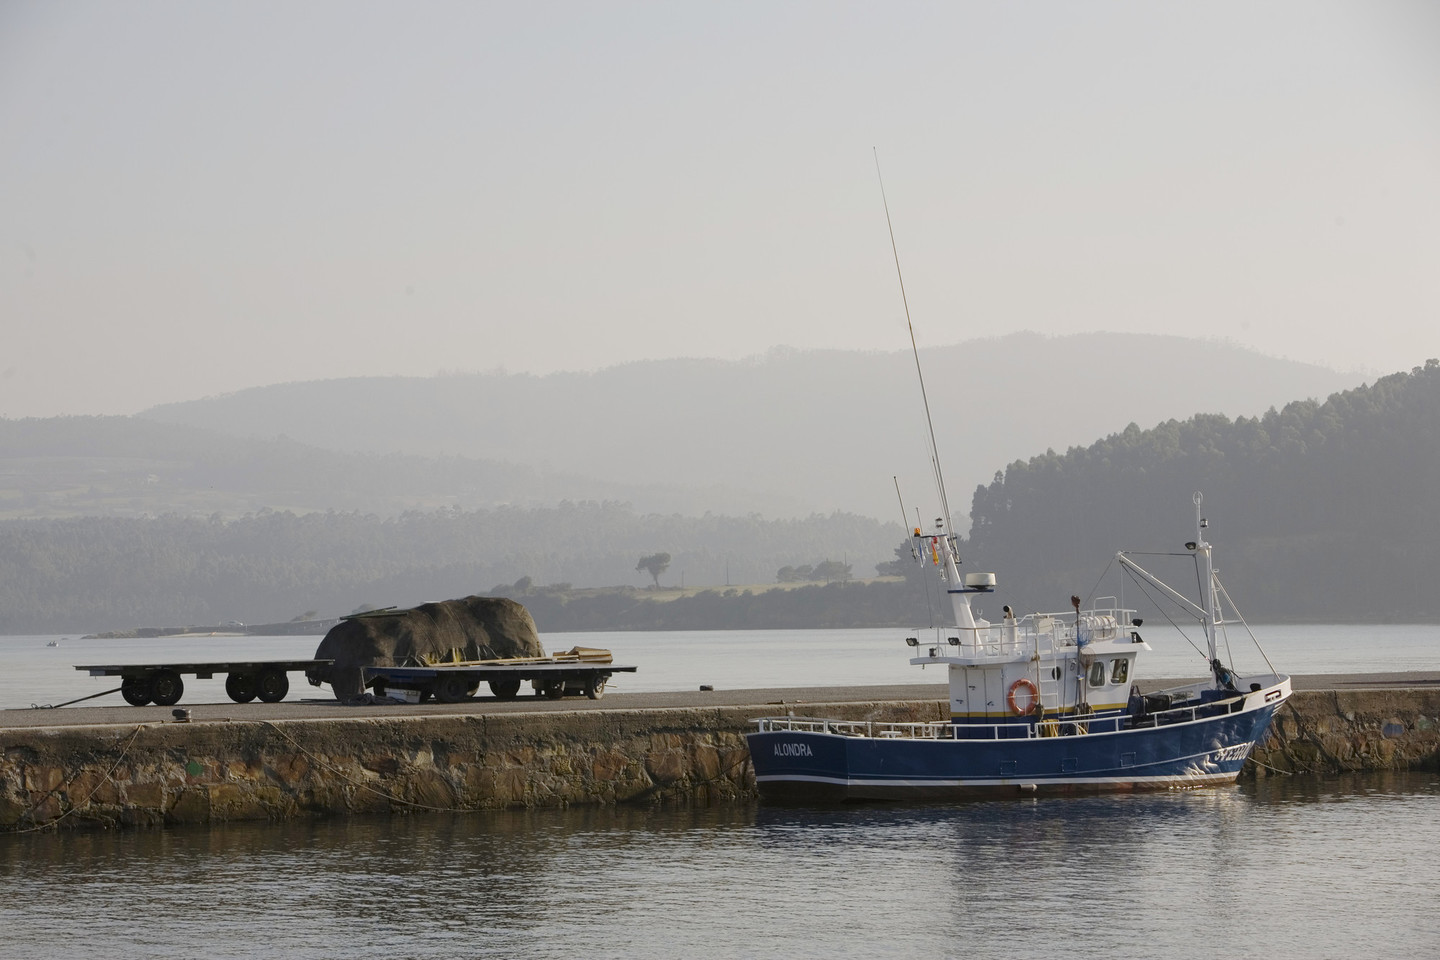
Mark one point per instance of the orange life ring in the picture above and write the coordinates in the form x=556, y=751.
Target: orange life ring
x=1023, y=683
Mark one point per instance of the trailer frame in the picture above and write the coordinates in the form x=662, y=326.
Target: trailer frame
x=552, y=677
x=160, y=683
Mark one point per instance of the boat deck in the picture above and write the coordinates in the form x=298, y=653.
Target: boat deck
x=765, y=701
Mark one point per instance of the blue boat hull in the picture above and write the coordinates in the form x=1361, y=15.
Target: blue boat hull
x=830, y=767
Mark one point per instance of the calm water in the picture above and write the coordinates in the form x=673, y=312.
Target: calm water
x=1343, y=868
x=731, y=659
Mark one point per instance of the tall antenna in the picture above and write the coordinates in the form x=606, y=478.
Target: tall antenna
x=903, y=518
x=929, y=421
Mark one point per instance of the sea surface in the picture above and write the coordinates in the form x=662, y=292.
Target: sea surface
x=1284, y=868
x=35, y=673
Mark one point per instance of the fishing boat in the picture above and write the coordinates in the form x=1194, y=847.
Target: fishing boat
x=1040, y=703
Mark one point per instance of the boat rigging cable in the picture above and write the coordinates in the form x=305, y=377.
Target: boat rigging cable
x=929, y=421
x=1144, y=586
x=915, y=551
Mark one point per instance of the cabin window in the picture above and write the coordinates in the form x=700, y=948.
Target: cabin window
x=1097, y=674
x=1119, y=670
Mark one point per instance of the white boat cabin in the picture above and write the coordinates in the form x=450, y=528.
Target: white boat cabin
x=1038, y=665
x=1031, y=668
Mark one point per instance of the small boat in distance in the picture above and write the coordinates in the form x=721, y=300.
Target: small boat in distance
x=1042, y=703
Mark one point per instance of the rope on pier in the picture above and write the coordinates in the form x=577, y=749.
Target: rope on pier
x=84, y=803
x=57, y=706
x=1307, y=734
x=358, y=783
x=1287, y=773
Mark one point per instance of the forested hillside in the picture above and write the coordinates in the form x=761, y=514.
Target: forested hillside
x=1320, y=510
x=1323, y=511
x=106, y=573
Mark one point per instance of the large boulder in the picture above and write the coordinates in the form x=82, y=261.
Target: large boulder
x=475, y=628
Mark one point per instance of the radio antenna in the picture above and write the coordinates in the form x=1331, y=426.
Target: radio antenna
x=919, y=373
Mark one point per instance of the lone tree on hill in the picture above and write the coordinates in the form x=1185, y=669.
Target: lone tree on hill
x=655, y=564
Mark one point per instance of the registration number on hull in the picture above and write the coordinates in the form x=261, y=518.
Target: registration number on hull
x=1237, y=752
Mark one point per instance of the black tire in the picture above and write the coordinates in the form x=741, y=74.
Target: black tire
x=451, y=689
x=595, y=686
x=135, y=690
x=553, y=690
x=240, y=687
x=166, y=688
x=272, y=685
x=505, y=689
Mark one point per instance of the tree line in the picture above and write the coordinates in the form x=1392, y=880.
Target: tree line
x=89, y=573
x=1326, y=511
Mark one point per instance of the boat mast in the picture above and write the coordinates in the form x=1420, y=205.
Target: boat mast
x=1207, y=582
x=944, y=545
x=948, y=533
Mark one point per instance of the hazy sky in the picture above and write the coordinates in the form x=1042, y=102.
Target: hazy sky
x=201, y=197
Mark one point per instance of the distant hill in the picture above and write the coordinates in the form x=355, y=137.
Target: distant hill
x=1319, y=511
x=1325, y=511
x=798, y=431
x=130, y=467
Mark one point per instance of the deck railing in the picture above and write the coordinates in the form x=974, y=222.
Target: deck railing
x=1030, y=633
x=1068, y=725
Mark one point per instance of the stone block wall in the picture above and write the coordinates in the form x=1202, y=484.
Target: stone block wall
x=1328, y=731
x=172, y=773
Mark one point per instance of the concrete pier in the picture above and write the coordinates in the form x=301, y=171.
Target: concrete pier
x=108, y=767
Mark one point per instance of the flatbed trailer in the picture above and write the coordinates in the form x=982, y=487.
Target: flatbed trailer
x=577, y=671
x=245, y=680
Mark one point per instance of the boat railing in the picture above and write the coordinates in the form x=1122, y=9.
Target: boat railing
x=1000, y=641
x=1064, y=725
x=1036, y=631
x=926, y=730
x=1068, y=629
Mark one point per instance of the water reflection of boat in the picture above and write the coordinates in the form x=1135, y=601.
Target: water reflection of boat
x=1039, y=703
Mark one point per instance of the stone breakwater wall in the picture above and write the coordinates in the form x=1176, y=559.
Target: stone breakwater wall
x=88, y=777
x=207, y=772
x=1329, y=731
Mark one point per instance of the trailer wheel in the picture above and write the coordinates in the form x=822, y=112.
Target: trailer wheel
x=273, y=685
x=135, y=690
x=553, y=690
x=505, y=689
x=595, y=686
x=451, y=689
x=240, y=687
x=166, y=688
